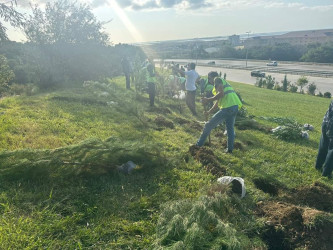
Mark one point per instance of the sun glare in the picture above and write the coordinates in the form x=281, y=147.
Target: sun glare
x=126, y=21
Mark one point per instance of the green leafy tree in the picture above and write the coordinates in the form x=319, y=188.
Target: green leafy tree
x=312, y=88
x=322, y=54
x=302, y=82
x=6, y=74
x=9, y=15
x=64, y=21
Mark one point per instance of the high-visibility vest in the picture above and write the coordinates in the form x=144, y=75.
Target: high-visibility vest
x=150, y=78
x=230, y=98
x=208, y=87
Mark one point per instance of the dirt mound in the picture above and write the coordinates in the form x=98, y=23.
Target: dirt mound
x=266, y=186
x=196, y=126
x=237, y=145
x=162, y=122
x=244, y=124
x=160, y=110
x=288, y=227
x=181, y=121
x=207, y=158
x=317, y=195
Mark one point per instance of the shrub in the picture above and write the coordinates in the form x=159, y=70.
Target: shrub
x=270, y=82
x=320, y=94
x=259, y=82
x=278, y=87
x=312, y=88
x=6, y=74
x=293, y=88
x=327, y=95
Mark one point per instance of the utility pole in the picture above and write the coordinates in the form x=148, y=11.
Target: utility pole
x=247, y=47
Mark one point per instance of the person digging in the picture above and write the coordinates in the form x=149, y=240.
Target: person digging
x=228, y=102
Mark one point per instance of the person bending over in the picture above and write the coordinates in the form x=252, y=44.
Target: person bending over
x=229, y=104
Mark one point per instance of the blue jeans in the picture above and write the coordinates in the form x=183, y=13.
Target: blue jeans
x=226, y=114
x=325, y=153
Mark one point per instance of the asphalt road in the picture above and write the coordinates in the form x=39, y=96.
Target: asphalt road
x=324, y=84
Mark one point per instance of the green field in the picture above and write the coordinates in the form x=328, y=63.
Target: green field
x=60, y=188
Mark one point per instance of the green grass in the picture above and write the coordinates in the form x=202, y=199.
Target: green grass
x=59, y=187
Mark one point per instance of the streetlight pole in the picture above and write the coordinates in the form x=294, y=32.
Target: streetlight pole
x=247, y=47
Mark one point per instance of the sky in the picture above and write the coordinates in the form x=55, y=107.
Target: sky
x=135, y=21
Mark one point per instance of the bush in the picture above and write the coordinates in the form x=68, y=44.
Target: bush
x=312, y=88
x=327, y=95
x=293, y=88
x=270, y=82
x=6, y=74
x=320, y=94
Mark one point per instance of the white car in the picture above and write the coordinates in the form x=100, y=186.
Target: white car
x=273, y=63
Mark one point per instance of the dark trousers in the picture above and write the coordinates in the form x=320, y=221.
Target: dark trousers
x=128, y=81
x=151, y=92
x=190, y=101
x=325, y=153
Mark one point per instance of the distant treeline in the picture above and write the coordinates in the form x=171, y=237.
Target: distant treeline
x=320, y=53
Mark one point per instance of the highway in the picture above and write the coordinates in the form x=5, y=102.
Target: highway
x=237, y=71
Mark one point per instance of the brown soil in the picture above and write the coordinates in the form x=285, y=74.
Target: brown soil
x=196, y=126
x=317, y=195
x=266, y=186
x=160, y=110
x=237, y=145
x=245, y=124
x=207, y=158
x=162, y=122
x=287, y=227
x=181, y=121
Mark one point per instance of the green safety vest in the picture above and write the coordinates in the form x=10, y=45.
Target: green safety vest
x=208, y=87
x=150, y=78
x=230, y=97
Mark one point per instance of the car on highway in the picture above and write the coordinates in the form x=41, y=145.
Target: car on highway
x=272, y=63
x=211, y=63
x=257, y=73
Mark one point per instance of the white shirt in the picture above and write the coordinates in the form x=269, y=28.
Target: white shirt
x=191, y=77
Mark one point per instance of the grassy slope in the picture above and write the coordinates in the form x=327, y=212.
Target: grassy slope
x=45, y=205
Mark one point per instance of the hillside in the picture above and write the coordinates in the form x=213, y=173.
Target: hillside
x=60, y=186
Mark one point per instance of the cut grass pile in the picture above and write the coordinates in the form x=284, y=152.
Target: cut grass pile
x=60, y=188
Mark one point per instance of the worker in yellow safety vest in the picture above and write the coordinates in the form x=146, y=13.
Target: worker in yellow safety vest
x=151, y=80
x=229, y=103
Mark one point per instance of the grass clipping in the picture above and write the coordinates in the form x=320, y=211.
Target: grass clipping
x=92, y=157
x=199, y=224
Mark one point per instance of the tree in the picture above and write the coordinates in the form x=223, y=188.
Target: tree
x=312, y=88
x=64, y=21
x=6, y=74
x=10, y=15
x=302, y=81
x=285, y=83
x=270, y=82
x=322, y=54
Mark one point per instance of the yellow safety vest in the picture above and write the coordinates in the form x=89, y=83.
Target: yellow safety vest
x=230, y=98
